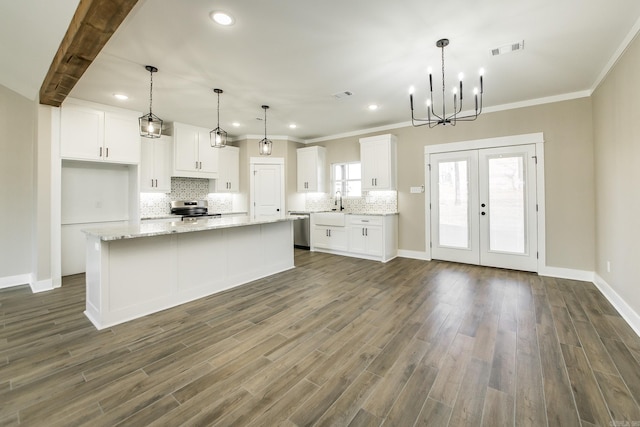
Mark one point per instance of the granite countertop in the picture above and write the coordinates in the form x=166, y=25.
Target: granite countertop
x=170, y=216
x=346, y=213
x=163, y=228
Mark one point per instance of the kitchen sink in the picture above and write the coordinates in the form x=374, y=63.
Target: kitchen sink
x=335, y=219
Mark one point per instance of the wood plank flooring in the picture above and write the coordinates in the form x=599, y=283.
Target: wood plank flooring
x=334, y=342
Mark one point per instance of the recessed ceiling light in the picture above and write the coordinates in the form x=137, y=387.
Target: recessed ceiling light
x=293, y=126
x=373, y=107
x=235, y=124
x=120, y=96
x=222, y=18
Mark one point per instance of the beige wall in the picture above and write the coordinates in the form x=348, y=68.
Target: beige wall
x=17, y=196
x=616, y=110
x=569, y=181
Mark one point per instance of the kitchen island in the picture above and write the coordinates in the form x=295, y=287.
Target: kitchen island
x=136, y=270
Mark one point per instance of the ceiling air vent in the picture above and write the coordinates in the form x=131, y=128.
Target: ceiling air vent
x=508, y=48
x=341, y=95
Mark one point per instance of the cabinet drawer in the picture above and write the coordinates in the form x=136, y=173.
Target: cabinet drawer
x=365, y=220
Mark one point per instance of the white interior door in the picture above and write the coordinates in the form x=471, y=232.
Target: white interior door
x=267, y=191
x=483, y=205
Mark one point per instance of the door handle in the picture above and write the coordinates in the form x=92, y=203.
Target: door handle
x=107, y=151
x=483, y=205
x=483, y=213
x=100, y=155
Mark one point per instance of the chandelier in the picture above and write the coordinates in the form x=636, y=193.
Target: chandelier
x=150, y=124
x=434, y=119
x=218, y=137
x=264, y=146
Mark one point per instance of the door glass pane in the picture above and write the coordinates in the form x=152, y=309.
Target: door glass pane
x=507, y=205
x=453, y=204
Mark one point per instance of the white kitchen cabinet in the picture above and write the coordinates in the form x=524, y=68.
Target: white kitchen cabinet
x=193, y=155
x=311, y=169
x=228, y=170
x=156, y=164
x=88, y=133
x=329, y=237
x=366, y=235
x=372, y=237
x=378, y=156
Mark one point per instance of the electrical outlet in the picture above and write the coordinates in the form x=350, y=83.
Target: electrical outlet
x=415, y=190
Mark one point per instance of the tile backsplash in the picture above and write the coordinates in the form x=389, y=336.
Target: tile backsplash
x=153, y=205
x=370, y=202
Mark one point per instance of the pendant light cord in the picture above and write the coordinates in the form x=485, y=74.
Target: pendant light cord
x=151, y=94
x=443, y=87
x=218, y=111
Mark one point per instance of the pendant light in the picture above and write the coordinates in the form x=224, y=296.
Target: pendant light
x=150, y=124
x=218, y=137
x=264, y=146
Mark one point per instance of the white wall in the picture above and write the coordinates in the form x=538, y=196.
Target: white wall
x=17, y=136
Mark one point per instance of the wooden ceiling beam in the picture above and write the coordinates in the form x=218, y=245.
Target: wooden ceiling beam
x=92, y=25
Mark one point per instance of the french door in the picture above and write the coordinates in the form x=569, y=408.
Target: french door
x=483, y=207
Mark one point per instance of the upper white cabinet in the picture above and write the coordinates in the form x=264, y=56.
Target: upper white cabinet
x=378, y=156
x=156, y=164
x=311, y=169
x=193, y=155
x=228, y=170
x=89, y=133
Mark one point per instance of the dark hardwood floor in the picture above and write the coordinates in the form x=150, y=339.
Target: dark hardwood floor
x=334, y=342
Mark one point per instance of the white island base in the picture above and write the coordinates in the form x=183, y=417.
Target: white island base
x=136, y=275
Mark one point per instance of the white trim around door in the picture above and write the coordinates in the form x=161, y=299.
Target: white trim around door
x=536, y=139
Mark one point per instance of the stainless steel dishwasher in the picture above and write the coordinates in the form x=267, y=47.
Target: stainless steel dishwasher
x=301, y=230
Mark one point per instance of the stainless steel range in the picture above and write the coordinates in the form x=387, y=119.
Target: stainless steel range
x=192, y=209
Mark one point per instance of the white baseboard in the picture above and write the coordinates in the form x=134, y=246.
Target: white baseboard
x=41, y=285
x=567, y=273
x=17, y=280
x=404, y=253
x=627, y=313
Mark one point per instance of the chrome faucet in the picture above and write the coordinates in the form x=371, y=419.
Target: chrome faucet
x=339, y=195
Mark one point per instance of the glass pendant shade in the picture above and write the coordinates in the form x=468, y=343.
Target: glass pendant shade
x=218, y=137
x=265, y=145
x=150, y=124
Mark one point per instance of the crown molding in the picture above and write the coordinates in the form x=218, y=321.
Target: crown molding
x=617, y=54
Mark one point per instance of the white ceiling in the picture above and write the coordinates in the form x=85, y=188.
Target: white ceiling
x=293, y=55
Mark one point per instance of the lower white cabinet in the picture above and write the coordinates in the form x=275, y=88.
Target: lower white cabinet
x=328, y=237
x=363, y=236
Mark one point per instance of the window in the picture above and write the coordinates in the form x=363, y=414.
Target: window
x=346, y=179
